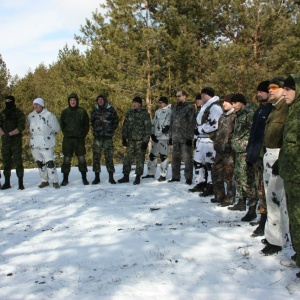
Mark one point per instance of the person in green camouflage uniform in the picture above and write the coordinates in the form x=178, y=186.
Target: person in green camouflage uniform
x=136, y=133
x=289, y=160
x=12, y=124
x=104, y=121
x=74, y=123
x=243, y=174
x=223, y=166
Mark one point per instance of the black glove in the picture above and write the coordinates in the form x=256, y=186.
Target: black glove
x=196, y=131
x=170, y=141
x=189, y=143
x=124, y=142
x=195, y=143
x=153, y=138
x=275, y=168
x=249, y=164
x=165, y=129
x=144, y=145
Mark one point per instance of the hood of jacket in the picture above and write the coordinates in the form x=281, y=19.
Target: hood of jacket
x=73, y=95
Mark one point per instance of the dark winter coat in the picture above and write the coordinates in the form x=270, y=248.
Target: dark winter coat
x=256, y=139
x=74, y=121
x=104, y=121
x=183, y=122
x=137, y=125
x=289, y=157
x=11, y=119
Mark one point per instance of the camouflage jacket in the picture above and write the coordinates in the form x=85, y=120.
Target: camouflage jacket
x=11, y=119
x=289, y=157
x=104, y=121
x=275, y=124
x=242, y=126
x=160, y=121
x=74, y=122
x=137, y=125
x=183, y=121
x=222, y=141
x=256, y=139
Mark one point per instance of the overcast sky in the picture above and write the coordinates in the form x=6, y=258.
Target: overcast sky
x=33, y=32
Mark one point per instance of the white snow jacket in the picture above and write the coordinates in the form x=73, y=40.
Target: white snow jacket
x=162, y=119
x=43, y=127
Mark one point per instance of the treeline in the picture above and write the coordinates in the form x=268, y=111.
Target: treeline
x=155, y=47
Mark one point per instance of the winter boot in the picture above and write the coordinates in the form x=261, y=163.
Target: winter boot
x=250, y=215
x=198, y=188
x=124, y=179
x=84, y=180
x=97, y=178
x=65, y=180
x=6, y=184
x=43, y=184
x=270, y=249
x=208, y=191
x=111, y=178
x=21, y=184
x=137, y=179
x=226, y=202
x=56, y=185
x=148, y=176
x=241, y=205
x=161, y=178
x=260, y=229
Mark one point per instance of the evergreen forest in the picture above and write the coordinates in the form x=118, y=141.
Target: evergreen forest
x=153, y=48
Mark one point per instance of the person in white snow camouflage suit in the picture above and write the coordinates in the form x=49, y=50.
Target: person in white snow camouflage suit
x=182, y=127
x=43, y=126
x=160, y=140
x=206, y=127
x=104, y=120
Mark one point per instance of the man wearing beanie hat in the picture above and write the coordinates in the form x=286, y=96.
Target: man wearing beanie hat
x=289, y=163
x=12, y=124
x=277, y=225
x=104, y=121
x=255, y=157
x=160, y=140
x=243, y=173
x=74, y=123
x=181, y=134
x=223, y=166
x=136, y=133
x=43, y=126
x=206, y=127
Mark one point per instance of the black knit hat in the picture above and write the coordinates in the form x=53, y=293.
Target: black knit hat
x=239, y=98
x=263, y=86
x=290, y=83
x=208, y=91
x=278, y=81
x=163, y=99
x=137, y=99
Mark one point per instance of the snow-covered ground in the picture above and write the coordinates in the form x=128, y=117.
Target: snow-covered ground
x=154, y=241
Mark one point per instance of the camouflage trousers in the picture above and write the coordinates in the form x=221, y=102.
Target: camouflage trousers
x=244, y=179
x=107, y=146
x=134, y=151
x=12, y=152
x=292, y=190
x=161, y=150
x=277, y=225
x=185, y=153
x=204, y=158
x=222, y=173
x=69, y=146
x=259, y=183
